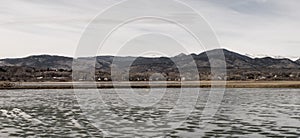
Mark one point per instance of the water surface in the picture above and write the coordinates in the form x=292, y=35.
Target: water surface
x=56, y=113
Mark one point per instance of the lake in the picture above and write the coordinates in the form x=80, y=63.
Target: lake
x=58, y=113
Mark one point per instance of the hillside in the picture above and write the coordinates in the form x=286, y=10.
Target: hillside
x=39, y=62
x=239, y=67
x=298, y=61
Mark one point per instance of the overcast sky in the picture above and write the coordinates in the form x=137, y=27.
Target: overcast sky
x=254, y=27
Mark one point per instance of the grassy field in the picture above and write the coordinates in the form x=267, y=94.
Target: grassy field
x=171, y=84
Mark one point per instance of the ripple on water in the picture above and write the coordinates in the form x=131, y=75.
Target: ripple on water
x=243, y=113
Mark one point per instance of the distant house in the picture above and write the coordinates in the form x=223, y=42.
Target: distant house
x=39, y=78
x=183, y=78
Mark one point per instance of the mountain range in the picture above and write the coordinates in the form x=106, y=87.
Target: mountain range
x=233, y=60
x=239, y=67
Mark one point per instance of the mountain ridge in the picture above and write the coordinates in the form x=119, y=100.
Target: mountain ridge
x=233, y=60
x=181, y=54
x=238, y=67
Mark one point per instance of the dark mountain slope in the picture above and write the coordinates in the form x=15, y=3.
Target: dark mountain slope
x=40, y=61
x=233, y=61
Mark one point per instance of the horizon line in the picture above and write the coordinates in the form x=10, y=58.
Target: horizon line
x=293, y=58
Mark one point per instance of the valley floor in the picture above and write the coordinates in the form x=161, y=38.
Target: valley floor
x=155, y=84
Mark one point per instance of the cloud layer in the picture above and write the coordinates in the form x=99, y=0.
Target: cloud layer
x=255, y=27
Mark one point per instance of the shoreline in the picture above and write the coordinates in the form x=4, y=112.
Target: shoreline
x=169, y=84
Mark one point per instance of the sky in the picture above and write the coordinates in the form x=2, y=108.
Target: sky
x=257, y=28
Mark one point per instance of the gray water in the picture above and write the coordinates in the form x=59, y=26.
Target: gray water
x=57, y=113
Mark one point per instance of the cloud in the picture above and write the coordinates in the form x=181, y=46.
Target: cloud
x=268, y=27
x=265, y=29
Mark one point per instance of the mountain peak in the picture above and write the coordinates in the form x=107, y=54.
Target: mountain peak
x=181, y=55
x=217, y=51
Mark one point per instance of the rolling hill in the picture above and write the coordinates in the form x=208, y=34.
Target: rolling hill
x=59, y=66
